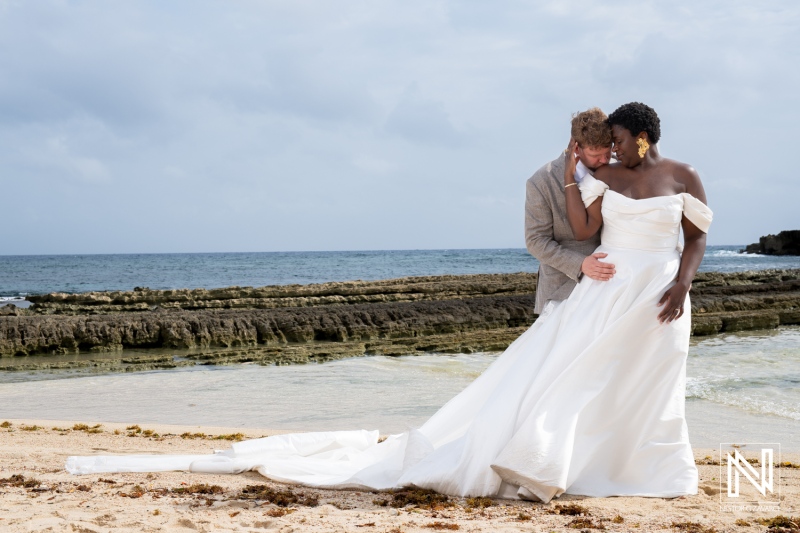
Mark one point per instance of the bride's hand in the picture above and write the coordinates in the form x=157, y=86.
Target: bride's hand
x=673, y=301
x=572, y=161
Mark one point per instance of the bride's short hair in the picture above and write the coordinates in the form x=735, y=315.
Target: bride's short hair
x=637, y=117
x=590, y=128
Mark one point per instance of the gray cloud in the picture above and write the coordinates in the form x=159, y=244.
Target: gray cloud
x=418, y=119
x=224, y=126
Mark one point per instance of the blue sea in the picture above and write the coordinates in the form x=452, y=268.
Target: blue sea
x=741, y=387
x=38, y=274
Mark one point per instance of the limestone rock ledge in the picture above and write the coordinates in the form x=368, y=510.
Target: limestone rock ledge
x=296, y=324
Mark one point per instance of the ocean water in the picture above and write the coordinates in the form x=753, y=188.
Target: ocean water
x=741, y=387
x=38, y=274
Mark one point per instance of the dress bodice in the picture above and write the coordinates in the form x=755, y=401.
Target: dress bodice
x=651, y=224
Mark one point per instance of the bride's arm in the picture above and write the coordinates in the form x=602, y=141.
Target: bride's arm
x=584, y=221
x=694, y=248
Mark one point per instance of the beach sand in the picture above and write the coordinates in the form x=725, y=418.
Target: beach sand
x=37, y=494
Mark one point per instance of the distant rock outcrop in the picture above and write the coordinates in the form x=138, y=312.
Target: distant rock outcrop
x=784, y=243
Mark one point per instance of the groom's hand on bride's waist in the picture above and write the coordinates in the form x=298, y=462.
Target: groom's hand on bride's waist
x=596, y=269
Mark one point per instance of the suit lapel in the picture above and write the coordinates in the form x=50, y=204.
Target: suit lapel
x=557, y=170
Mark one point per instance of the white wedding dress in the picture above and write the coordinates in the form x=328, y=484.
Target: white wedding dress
x=589, y=400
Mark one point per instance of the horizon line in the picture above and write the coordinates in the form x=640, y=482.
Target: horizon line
x=292, y=251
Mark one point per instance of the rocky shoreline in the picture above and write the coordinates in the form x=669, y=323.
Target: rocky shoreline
x=320, y=322
x=784, y=243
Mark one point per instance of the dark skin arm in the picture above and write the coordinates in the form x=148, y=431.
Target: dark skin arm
x=585, y=222
x=693, y=251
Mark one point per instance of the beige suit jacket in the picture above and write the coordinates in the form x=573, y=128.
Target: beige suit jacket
x=549, y=237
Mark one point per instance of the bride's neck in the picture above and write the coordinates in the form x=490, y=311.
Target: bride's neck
x=652, y=158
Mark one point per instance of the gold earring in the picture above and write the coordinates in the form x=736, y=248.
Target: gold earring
x=644, y=146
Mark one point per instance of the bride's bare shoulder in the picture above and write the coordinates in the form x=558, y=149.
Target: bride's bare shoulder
x=687, y=176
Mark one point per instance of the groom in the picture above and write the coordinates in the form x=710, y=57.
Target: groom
x=548, y=236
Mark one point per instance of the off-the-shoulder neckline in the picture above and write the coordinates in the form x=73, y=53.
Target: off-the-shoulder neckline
x=607, y=188
x=649, y=197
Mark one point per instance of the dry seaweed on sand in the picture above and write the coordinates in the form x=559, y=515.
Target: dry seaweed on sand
x=572, y=509
x=189, y=435
x=583, y=522
x=233, y=436
x=479, y=503
x=86, y=428
x=281, y=498
x=442, y=525
x=18, y=480
x=693, y=527
x=199, y=488
x=707, y=460
x=136, y=492
x=279, y=512
x=781, y=524
x=422, y=498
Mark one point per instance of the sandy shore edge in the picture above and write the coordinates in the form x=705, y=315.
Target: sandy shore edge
x=174, y=501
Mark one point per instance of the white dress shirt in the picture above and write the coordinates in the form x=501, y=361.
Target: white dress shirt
x=580, y=171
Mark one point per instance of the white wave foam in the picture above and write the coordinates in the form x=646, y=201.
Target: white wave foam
x=747, y=400
x=731, y=253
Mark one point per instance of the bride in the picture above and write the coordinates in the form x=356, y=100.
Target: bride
x=589, y=400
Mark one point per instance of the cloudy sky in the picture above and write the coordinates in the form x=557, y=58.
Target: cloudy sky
x=202, y=126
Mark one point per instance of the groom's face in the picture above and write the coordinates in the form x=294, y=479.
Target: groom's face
x=594, y=157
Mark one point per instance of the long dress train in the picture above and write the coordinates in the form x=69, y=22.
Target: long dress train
x=589, y=400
